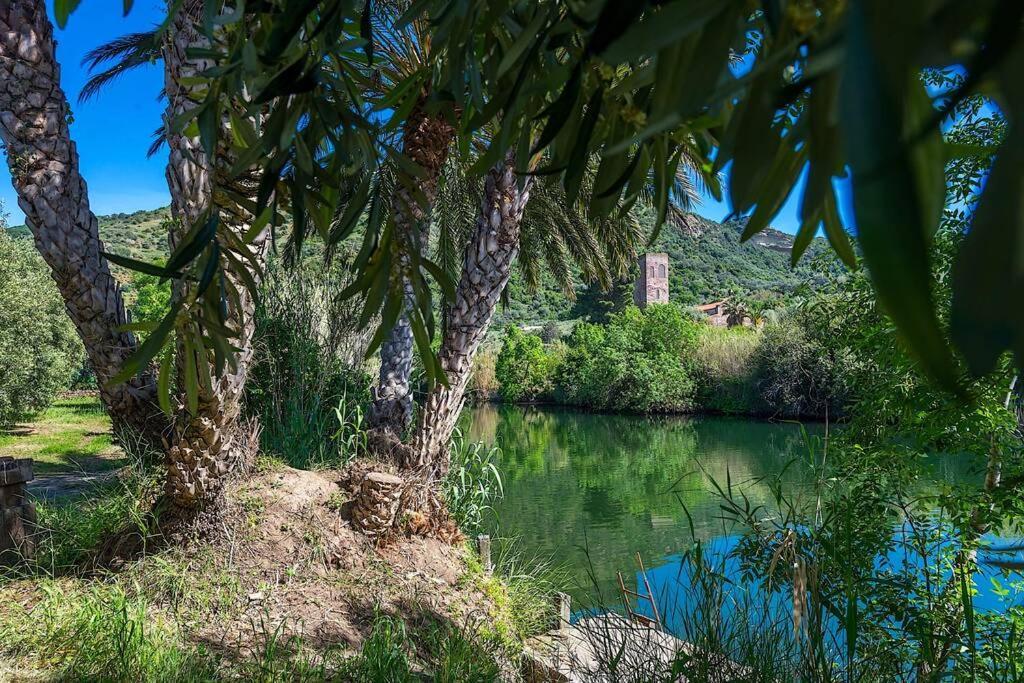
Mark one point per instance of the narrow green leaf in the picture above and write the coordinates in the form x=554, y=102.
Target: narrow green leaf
x=62, y=9
x=163, y=383
x=154, y=342
x=656, y=29
x=888, y=211
x=141, y=266
x=990, y=267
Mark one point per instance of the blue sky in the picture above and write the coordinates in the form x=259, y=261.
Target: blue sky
x=114, y=130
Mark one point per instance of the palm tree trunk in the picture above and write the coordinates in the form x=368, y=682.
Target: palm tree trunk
x=43, y=161
x=425, y=140
x=489, y=258
x=211, y=443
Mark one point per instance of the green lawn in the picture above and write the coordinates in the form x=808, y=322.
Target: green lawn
x=73, y=435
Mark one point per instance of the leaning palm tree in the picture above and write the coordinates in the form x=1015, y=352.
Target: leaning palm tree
x=209, y=438
x=532, y=223
x=43, y=162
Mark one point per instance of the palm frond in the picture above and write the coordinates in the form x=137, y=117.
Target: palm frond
x=127, y=52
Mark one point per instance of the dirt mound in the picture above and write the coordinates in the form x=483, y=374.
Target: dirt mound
x=303, y=569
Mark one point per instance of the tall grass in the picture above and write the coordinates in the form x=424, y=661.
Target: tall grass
x=100, y=633
x=473, y=482
x=724, y=362
x=308, y=347
x=433, y=651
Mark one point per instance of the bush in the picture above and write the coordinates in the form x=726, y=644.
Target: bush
x=642, y=361
x=795, y=375
x=525, y=369
x=39, y=349
x=550, y=333
x=305, y=348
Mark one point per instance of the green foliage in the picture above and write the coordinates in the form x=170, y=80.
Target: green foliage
x=893, y=398
x=796, y=375
x=101, y=632
x=473, y=482
x=304, y=370
x=396, y=653
x=152, y=302
x=640, y=362
x=725, y=370
x=39, y=349
x=525, y=369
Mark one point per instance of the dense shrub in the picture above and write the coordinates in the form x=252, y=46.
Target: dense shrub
x=641, y=361
x=306, y=350
x=795, y=374
x=39, y=349
x=662, y=359
x=525, y=369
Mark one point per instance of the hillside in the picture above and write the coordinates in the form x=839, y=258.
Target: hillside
x=141, y=235
x=706, y=262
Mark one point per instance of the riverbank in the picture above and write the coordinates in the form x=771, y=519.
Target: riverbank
x=285, y=588
x=659, y=360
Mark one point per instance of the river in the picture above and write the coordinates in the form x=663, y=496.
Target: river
x=586, y=492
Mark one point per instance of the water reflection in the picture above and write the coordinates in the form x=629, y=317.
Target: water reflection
x=588, y=491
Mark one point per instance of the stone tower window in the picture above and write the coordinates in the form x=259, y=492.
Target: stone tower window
x=661, y=270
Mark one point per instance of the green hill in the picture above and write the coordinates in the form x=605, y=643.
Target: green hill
x=706, y=262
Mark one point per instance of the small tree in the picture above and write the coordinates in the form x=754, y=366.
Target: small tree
x=524, y=369
x=550, y=333
x=39, y=350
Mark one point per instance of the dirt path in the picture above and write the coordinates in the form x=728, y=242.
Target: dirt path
x=69, y=484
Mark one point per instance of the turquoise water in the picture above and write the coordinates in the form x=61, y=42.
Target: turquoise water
x=587, y=492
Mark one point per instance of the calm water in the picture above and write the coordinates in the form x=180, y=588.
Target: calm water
x=589, y=491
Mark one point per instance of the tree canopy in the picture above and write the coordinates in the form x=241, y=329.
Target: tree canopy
x=771, y=91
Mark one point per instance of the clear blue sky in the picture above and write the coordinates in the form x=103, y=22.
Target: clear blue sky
x=114, y=130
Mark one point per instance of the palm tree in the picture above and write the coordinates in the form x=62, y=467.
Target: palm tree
x=43, y=161
x=520, y=220
x=209, y=438
x=426, y=136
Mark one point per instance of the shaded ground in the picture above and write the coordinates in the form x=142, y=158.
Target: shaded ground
x=70, y=445
x=288, y=569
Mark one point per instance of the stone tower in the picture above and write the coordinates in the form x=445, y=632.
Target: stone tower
x=652, y=284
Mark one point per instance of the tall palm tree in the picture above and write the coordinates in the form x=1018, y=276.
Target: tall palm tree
x=210, y=439
x=43, y=162
x=426, y=137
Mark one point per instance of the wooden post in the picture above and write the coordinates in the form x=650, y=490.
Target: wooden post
x=17, y=514
x=483, y=546
x=563, y=606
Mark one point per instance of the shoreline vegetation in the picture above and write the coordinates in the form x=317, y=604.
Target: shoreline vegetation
x=664, y=360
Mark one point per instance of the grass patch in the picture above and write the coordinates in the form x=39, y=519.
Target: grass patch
x=72, y=435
